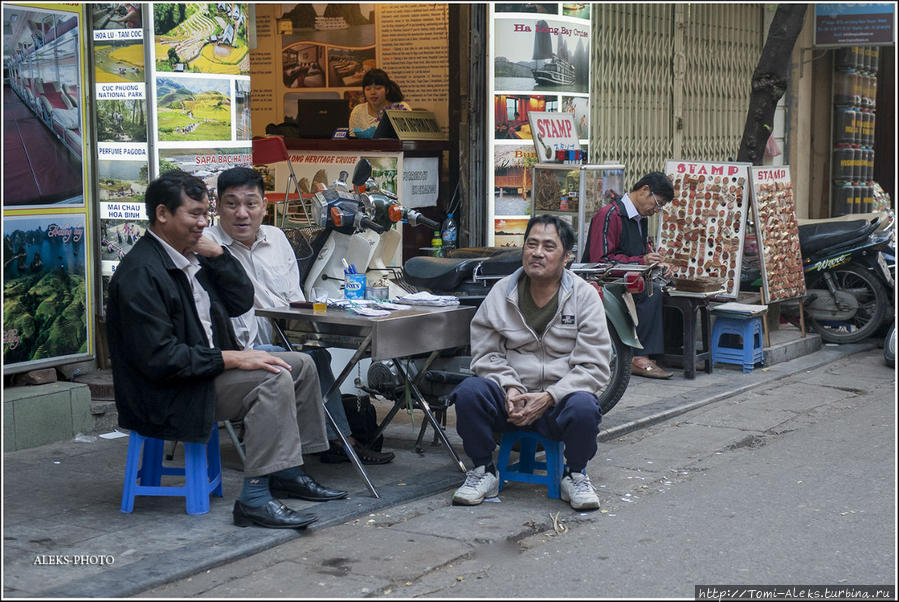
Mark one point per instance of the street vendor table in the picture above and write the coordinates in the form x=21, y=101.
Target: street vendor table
x=415, y=331
x=687, y=303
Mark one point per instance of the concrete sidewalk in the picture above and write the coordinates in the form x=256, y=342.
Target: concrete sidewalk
x=61, y=501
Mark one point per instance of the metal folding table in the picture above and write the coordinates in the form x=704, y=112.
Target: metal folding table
x=421, y=329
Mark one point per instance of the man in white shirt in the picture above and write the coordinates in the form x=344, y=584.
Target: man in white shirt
x=177, y=367
x=269, y=260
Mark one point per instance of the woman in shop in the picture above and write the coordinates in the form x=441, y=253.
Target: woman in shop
x=381, y=93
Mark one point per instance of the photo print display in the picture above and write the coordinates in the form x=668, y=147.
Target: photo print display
x=201, y=37
x=122, y=180
x=338, y=24
x=45, y=293
x=701, y=230
x=302, y=65
x=543, y=8
x=42, y=107
x=550, y=55
x=580, y=107
x=511, y=114
x=117, y=15
x=512, y=176
x=777, y=233
x=121, y=120
x=118, y=60
x=347, y=66
x=193, y=108
x=243, y=126
x=205, y=163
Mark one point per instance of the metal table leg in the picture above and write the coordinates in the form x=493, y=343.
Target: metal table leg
x=398, y=403
x=430, y=416
x=347, y=446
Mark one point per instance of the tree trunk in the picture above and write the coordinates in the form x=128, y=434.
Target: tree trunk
x=769, y=81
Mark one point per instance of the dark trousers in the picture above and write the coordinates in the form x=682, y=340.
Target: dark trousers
x=649, y=328
x=481, y=411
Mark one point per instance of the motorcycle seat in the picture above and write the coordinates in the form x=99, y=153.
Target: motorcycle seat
x=817, y=237
x=502, y=264
x=439, y=273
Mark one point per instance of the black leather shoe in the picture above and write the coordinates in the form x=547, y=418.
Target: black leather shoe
x=304, y=488
x=273, y=515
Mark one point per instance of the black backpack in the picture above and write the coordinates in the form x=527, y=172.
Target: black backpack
x=363, y=420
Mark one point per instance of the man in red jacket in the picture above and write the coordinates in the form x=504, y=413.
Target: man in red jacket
x=619, y=234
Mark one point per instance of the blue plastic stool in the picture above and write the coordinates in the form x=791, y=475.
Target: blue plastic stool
x=523, y=470
x=751, y=350
x=202, y=472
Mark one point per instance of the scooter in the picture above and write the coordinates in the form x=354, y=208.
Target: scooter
x=849, y=270
x=849, y=277
x=471, y=277
x=358, y=230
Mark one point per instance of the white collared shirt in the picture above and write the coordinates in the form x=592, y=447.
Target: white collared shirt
x=190, y=265
x=271, y=265
x=632, y=212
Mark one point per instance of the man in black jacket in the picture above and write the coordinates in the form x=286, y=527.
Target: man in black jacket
x=177, y=368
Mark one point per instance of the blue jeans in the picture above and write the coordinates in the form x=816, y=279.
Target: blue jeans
x=322, y=360
x=481, y=411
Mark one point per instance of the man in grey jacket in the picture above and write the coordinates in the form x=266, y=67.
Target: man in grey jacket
x=540, y=352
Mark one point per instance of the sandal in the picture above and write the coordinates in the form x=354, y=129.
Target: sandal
x=648, y=368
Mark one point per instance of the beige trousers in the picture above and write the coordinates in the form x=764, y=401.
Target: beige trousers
x=282, y=413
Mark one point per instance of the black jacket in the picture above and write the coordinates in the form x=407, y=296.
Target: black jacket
x=163, y=367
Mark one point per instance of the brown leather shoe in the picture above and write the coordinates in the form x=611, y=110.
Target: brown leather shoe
x=643, y=366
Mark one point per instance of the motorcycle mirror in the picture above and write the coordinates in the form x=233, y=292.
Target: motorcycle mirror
x=362, y=172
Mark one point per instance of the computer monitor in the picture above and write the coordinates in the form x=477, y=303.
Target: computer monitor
x=319, y=117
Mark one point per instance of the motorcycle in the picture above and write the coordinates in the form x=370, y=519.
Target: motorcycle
x=357, y=229
x=471, y=275
x=849, y=277
x=355, y=225
x=889, y=346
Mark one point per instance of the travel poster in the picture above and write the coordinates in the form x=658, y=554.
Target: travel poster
x=512, y=175
x=205, y=163
x=203, y=37
x=511, y=114
x=539, y=54
x=43, y=108
x=45, y=291
x=509, y=232
x=193, y=108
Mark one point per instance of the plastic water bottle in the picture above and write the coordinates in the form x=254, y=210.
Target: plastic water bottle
x=449, y=234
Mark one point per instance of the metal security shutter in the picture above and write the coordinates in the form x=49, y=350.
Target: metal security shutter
x=631, y=90
x=722, y=43
x=671, y=81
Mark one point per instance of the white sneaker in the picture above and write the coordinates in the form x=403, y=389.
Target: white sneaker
x=577, y=489
x=478, y=484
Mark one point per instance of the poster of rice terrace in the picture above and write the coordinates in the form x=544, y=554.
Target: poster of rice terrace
x=200, y=37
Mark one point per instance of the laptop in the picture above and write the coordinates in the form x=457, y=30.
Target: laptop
x=319, y=117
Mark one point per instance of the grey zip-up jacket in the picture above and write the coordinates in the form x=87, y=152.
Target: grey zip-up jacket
x=572, y=355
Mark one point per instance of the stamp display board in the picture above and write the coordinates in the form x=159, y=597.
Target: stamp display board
x=701, y=231
x=777, y=230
